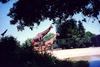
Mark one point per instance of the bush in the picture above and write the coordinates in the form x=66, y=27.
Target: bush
x=11, y=55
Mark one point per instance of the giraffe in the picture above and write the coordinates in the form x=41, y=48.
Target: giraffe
x=37, y=42
x=48, y=45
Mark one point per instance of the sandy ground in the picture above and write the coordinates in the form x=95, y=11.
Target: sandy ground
x=84, y=58
x=78, y=54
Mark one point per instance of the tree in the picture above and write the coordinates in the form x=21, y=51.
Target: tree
x=87, y=39
x=28, y=12
x=68, y=34
x=81, y=29
x=27, y=43
x=80, y=35
x=4, y=1
x=67, y=28
x=8, y=46
x=95, y=40
x=73, y=35
x=89, y=35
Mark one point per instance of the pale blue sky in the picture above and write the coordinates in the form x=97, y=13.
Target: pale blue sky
x=89, y=26
x=27, y=33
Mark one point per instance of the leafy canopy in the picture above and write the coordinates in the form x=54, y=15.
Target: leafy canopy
x=28, y=12
x=4, y=1
x=73, y=35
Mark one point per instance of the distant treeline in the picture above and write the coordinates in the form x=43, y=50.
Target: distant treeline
x=73, y=35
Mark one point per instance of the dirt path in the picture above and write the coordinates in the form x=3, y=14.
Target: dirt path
x=77, y=54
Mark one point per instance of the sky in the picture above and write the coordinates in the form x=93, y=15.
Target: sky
x=27, y=33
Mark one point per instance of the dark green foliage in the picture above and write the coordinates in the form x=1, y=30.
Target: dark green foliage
x=87, y=40
x=73, y=35
x=4, y=1
x=67, y=28
x=95, y=40
x=29, y=12
x=81, y=29
x=27, y=43
x=14, y=55
x=8, y=45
